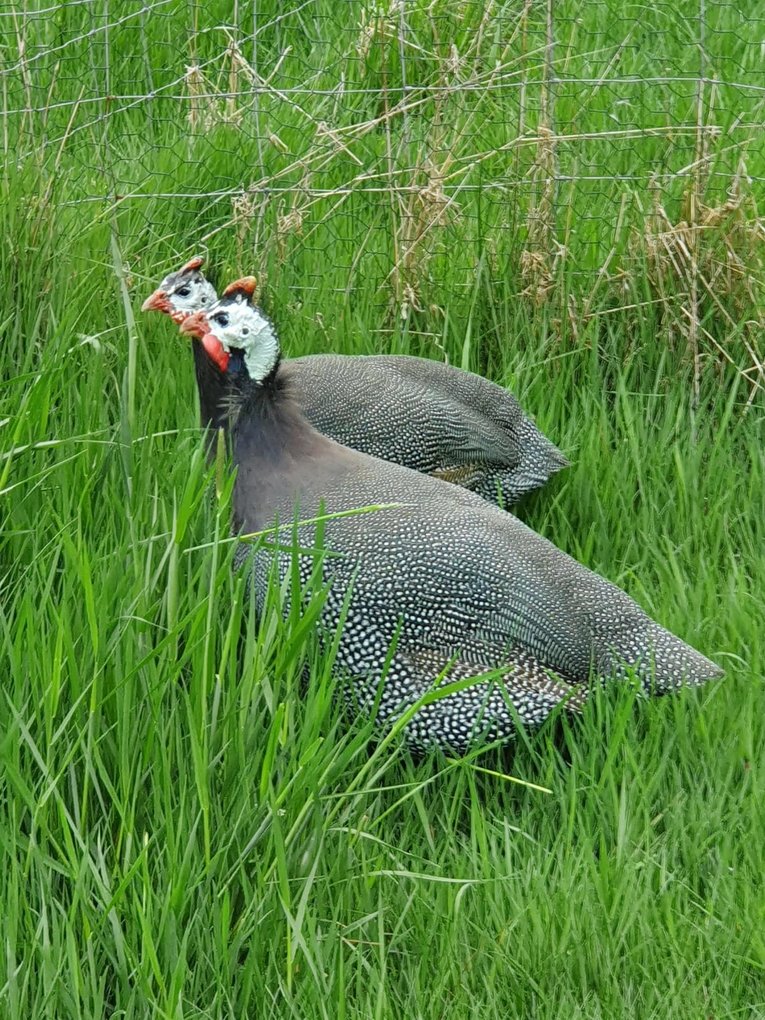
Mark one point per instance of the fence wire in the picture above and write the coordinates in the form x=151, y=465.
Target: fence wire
x=555, y=145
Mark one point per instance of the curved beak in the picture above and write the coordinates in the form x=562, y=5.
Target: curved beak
x=195, y=325
x=156, y=302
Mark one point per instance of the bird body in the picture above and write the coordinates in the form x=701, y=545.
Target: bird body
x=457, y=586
x=435, y=418
x=423, y=414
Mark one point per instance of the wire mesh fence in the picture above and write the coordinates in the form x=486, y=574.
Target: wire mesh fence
x=588, y=155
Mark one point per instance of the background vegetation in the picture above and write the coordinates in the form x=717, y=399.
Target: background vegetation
x=563, y=197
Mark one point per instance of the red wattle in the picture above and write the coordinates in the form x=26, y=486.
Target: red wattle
x=216, y=351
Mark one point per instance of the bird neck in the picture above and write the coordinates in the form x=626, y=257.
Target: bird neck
x=269, y=424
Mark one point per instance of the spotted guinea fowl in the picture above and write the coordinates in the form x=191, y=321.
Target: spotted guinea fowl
x=423, y=414
x=456, y=586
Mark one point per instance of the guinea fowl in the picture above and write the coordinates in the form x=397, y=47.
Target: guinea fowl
x=423, y=414
x=455, y=586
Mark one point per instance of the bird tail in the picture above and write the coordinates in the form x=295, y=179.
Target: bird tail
x=539, y=459
x=661, y=661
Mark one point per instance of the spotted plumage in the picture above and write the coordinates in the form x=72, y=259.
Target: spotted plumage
x=428, y=416
x=459, y=587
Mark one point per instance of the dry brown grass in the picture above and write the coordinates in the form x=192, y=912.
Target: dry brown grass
x=706, y=270
x=221, y=93
x=542, y=252
x=422, y=210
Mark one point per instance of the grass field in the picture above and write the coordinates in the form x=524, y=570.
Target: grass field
x=186, y=831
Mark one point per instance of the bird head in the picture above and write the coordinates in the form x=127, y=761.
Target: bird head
x=235, y=324
x=182, y=293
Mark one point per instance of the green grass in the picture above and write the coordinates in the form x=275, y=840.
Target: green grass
x=187, y=828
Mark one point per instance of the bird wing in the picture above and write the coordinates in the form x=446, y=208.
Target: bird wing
x=382, y=405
